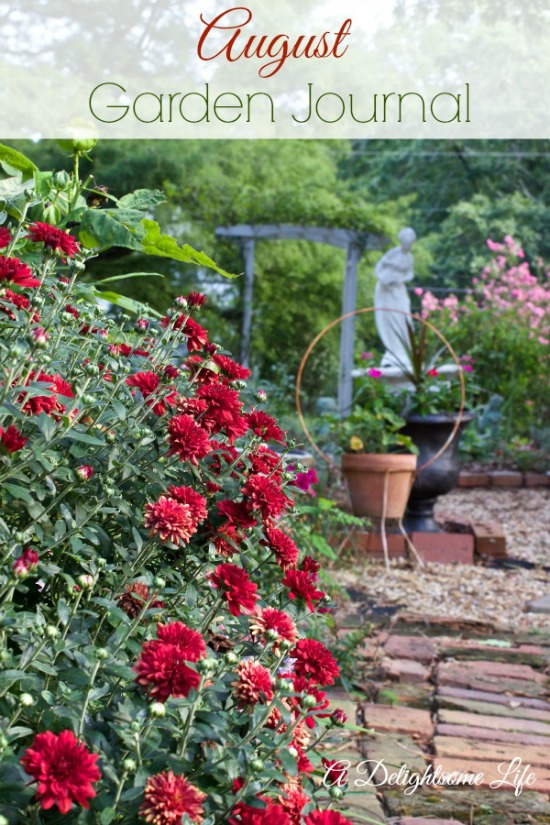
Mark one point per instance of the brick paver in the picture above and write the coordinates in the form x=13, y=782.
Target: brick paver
x=491, y=735
x=409, y=820
x=404, y=670
x=398, y=720
x=493, y=677
x=490, y=751
x=470, y=703
x=503, y=723
x=494, y=698
x=489, y=773
x=418, y=648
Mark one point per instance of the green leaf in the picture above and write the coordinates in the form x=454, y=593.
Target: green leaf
x=155, y=243
x=138, y=539
x=74, y=435
x=63, y=611
x=288, y=762
x=107, y=816
x=17, y=161
x=44, y=667
x=16, y=733
x=46, y=426
x=129, y=275
x=125, y=303
x=143, y=199
x=19, y=492
x=12, y=188
x=111, y=227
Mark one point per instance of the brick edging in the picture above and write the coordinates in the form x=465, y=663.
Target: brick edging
x=502, y=479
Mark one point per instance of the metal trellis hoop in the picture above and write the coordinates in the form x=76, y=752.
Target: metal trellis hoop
x=364, y=311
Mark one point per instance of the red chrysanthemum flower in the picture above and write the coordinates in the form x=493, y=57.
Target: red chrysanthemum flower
x=226, y=455
x=194, y=500
x=310, y=566
x=148, y=383
x=53, y=238
x=265, y=462
x=314, y=662
x=171, y=372
x=64, y=769
x=238, y=589
x=223, y=410
x=134, y=599
x=194, y=407
x=187, y=439
x=233, y=371
x=12, y=270
x=227, y=540
x=201, y=371
x=167, y=797
x=46, y=403
x=293, y=802
x=265, y=426
x=11, y=440
x=18, y=301
x=275, y=719
x=269, y=618
x=170, y=520
x=162, y=669
x=26, y=563
x=300, y=743
x=285, y=551
x=335, y=773
x=197, y=336
x=61, y=386
x=70, y=310
x=253, y=684
x=265, y=494
x=190, y=642
x=5, y=237
x=302, y=586
x=326, y=818
x=196, y=300
x=272, y=814
x=236, y=512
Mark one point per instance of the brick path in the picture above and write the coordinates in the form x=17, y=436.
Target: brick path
x=457, y=704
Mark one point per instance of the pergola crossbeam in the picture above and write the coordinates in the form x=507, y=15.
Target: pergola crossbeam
x=355, y=243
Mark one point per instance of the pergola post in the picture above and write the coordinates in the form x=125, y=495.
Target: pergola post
x=355, y=243
x=248, y=253
x=349, y=303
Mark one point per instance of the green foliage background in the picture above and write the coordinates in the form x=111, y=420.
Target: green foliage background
x=455, y=195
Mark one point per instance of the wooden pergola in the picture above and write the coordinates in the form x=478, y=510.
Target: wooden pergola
x=355, y=243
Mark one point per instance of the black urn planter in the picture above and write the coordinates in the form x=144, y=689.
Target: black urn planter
x=429, y=433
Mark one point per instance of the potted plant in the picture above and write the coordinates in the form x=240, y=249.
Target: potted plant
x=431, y=408
x=378, y=459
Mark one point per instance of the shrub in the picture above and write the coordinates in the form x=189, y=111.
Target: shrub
x=151, y=662
x=503, y=325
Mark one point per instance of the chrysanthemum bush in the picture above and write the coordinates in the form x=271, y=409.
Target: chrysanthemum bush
x=154, y=665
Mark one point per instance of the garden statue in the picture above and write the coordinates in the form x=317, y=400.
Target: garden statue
x=393, y=271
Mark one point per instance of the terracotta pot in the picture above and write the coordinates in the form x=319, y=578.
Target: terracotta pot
x=366, y=475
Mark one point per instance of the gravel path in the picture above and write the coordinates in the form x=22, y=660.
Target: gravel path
x=498, y=597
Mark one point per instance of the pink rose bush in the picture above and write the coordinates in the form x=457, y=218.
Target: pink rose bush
x=503, y=323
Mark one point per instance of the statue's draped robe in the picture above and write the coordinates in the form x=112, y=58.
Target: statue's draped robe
x=393, y=270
